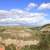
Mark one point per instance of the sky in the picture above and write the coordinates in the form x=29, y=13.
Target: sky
x=24, y=12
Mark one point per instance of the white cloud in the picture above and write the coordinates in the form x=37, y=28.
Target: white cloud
x=45, y=6
x=21, y=17
x=30, y=6
x=15, y=19
x=16, y=13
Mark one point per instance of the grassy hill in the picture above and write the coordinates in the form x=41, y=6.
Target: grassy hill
x=25, y=38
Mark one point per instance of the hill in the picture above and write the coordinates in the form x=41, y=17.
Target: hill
x=24, y=36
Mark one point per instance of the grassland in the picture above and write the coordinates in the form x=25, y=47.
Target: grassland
x=24, y=38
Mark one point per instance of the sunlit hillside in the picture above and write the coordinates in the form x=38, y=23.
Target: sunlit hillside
x=25, y=38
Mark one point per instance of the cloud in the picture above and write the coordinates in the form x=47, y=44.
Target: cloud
x=17, y=13
x=45, y=6
x=34, y=21
x=22, y=18
x=30, y=6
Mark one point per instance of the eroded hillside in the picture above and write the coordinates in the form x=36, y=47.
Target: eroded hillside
x=18, y=36
x=25, y=38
